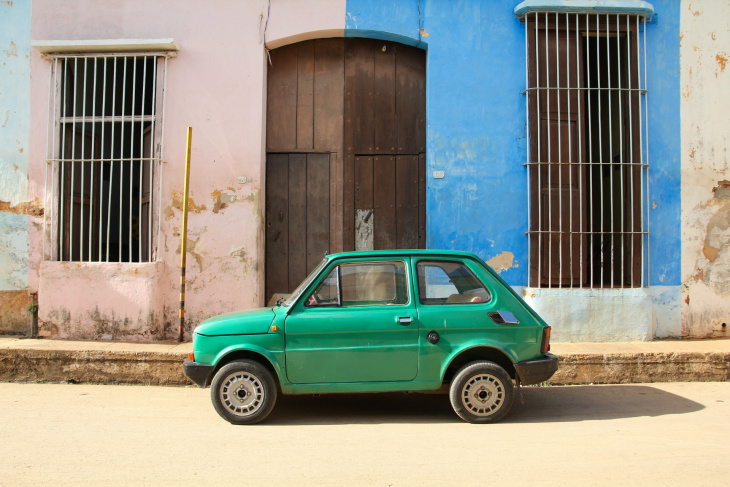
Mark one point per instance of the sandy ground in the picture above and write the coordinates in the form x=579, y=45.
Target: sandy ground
x=644, y=434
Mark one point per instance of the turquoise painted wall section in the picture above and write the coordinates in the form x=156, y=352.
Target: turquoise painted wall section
x=476, y=132
x=476, y=125
x=13, y=252
x=14, y=127
x=394, y=21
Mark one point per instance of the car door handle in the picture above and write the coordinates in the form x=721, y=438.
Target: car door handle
x=404, y=320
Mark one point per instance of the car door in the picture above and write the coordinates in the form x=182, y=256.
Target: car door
x=358, y=325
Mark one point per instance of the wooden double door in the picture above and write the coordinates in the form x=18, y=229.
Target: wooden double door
x=346, y=165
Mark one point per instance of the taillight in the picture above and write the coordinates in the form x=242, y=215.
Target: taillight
x=192, y=357
x=545, y=340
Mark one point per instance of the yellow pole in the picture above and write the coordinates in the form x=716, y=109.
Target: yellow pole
x=184, y=237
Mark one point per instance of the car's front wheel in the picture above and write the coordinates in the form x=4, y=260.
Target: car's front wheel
x=243, y=392
x=481, y=392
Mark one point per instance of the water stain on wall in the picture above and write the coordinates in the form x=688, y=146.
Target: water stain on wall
x=14, y=316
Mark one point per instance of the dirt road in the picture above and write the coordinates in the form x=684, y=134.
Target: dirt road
x=652, y=434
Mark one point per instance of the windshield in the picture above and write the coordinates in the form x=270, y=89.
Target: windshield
x=295, y=294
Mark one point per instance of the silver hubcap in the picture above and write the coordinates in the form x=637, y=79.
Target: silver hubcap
x=483, y=395
x=242, y=393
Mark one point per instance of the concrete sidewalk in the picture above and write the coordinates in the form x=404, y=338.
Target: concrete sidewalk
x=160, y=363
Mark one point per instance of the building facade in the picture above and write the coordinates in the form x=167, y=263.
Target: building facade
x=578, y=147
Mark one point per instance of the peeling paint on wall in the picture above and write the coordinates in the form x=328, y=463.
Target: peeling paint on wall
x=196, y=248
x=721, y=59
x=705, y=172
x=12, y=51
x=177, y=203
x=221, y=200
x=502, y=262
x=32, y=208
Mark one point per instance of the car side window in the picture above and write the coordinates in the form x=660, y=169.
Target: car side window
x=362, y=284
x=447, y=282
x=328, y=292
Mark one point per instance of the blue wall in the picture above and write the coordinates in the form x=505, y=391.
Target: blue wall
x=14, y=134
x=662, y=53
x=476, y=124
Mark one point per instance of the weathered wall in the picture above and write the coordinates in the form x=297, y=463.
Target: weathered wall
x=704, y=52
x=216, y=85
x=103, y=301
x=14, y=205
x=476, y=135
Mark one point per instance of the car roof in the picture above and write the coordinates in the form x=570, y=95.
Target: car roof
x=404, y=253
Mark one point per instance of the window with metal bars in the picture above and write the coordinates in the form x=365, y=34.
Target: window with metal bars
x=587, y=161
x=104, y=156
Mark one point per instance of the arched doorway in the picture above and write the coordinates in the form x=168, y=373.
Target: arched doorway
x=346, y=142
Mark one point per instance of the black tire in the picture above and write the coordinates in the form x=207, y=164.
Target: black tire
x=481, y=392
x=243, y=392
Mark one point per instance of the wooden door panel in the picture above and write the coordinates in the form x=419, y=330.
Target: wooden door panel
x=359, y=96
x=411, y=107
x=406, y=197
x=297, y=218
x=281, y=101
x=364, y=183
x=328, y=109
x=384, y=226
x=338, y=112
x=318, y=208
x=277, y=224
x=384, y=101
x=305, y=96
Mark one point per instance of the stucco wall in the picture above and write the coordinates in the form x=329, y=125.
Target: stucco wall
x=14, y=205
x=705, y=51
x=476, y=135
x=216, y=85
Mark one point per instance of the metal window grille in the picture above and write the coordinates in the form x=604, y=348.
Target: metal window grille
x=104, y=157
x=587, y=157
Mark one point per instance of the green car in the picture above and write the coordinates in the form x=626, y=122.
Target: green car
x=400, y=320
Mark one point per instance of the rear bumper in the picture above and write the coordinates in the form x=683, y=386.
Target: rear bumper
x=538, y=370
x=198, y=373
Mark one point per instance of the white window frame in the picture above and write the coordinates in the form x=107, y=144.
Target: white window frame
x=95, y=55
x=541, y=233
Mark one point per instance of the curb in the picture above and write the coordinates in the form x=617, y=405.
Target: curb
x=628, y=368
x=165, y=368
x=92, y=366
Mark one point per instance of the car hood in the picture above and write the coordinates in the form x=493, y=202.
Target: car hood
x=249, y=322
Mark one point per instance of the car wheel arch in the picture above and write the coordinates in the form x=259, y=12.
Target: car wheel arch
x=477, y=353
x=247, y=354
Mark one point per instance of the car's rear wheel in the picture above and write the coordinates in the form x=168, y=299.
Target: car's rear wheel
x=481, y=392
x=243, y=392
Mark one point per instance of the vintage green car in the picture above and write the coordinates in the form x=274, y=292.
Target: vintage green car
x=401, y=320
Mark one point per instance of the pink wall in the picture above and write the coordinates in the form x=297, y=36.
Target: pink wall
x=217, y=85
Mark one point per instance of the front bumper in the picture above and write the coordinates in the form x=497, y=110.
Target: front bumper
x=198, y=373
x=538, y=370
